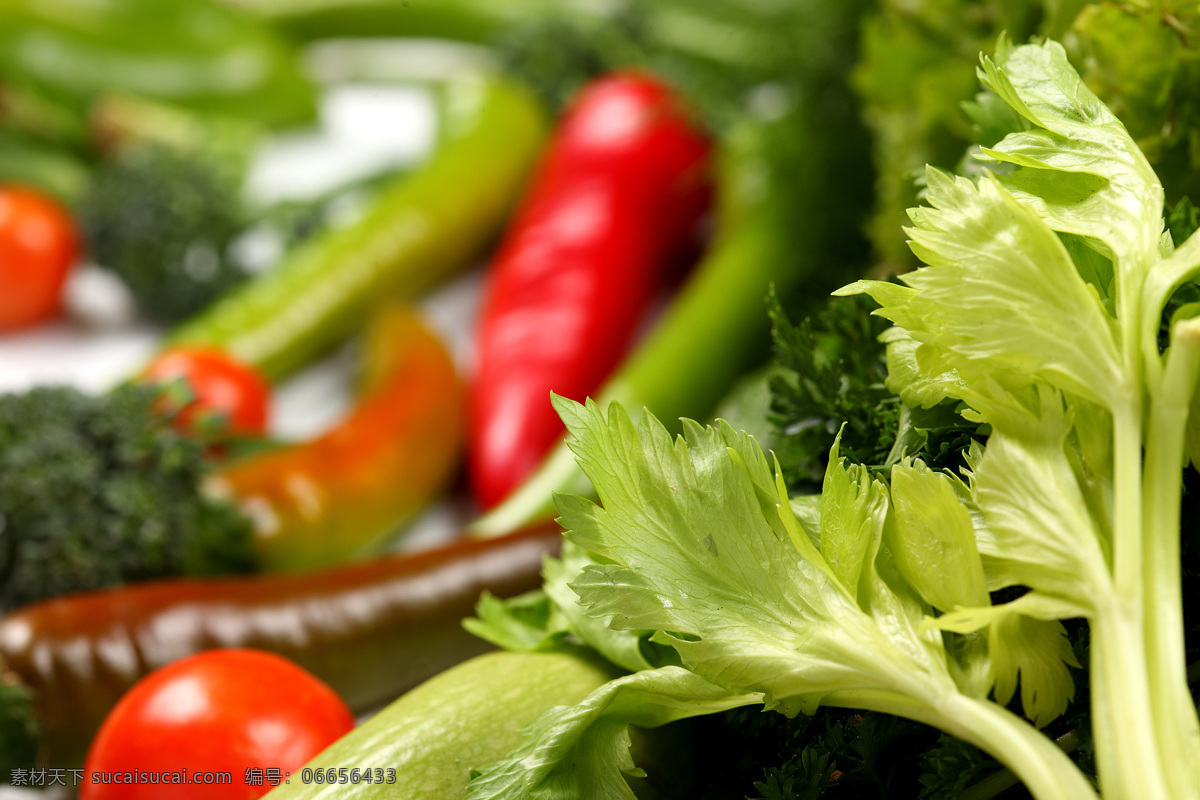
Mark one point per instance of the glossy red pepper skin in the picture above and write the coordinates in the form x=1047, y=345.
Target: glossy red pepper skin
x=371, y=630
x=615, y=202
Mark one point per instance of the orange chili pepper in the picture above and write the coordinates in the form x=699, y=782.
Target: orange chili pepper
x=339, y=496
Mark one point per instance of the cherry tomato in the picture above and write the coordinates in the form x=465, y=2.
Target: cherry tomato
x=236, y=712
x=38, y=245
x=210, y=393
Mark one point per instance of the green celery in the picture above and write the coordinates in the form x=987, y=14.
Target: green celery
x=881, y=601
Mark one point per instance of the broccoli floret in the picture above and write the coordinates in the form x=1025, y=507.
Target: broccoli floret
x=98, y=491
x=163, y=222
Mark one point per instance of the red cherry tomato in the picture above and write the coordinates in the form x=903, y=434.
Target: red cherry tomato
x=38, y=245
x=240, y=712
x=210, y=393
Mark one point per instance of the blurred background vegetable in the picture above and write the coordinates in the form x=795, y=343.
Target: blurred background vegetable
x=347, y=492
x=190, y=53
x=38, y=247
x=164, y=222
x=467, y=20
x=719, y=51
x=98, y=491
x=917, y=71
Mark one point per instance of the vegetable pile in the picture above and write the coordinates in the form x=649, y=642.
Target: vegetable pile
x=944, y=548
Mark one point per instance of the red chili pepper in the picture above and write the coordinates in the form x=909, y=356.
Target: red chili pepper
x=616, y=200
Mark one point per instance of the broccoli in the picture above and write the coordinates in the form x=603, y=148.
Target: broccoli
x=97, y=491
x=163, y=220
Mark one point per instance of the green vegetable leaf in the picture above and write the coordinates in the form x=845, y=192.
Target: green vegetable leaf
x=1038, y=532
x=622, y=647
x=853, y=511
x=933, y=539
x=1037, y=652
x=915, y=375
x=1079, y=169
x=951, y=767
x=527, y=623
x=551, y=617
x=695, y=557
x=829, y=377
x=1001, y=296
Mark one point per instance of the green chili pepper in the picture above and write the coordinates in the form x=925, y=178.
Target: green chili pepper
x=193, y=53
x=419, y=231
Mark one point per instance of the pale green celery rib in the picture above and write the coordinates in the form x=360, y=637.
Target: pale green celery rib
x=1033, y=757
x=1174, y=713
x=1127, y=746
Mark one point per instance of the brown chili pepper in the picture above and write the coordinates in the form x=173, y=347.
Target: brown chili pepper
x=371, y=630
